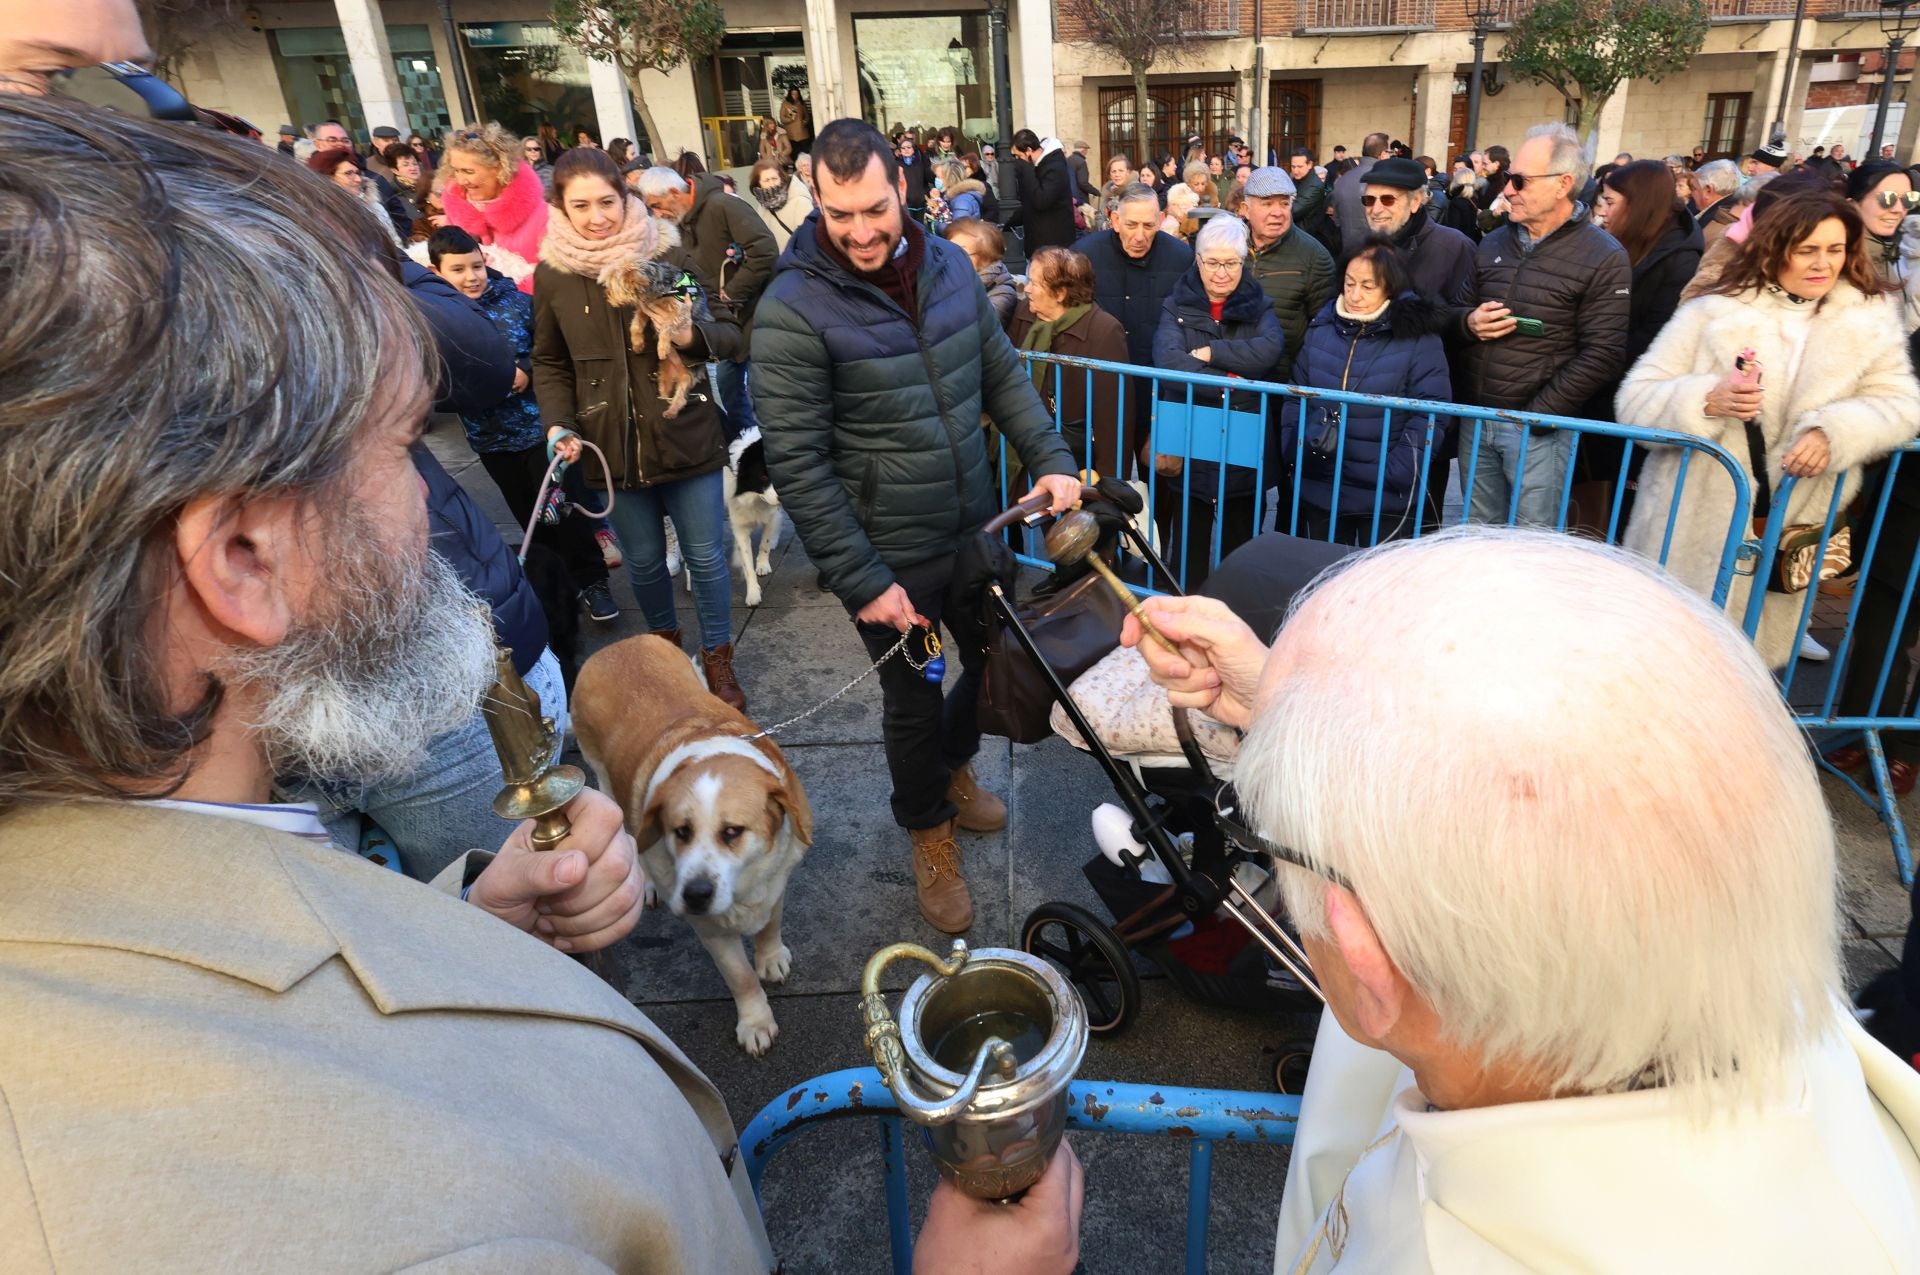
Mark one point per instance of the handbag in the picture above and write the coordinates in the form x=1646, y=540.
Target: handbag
x=1797, y=561
x=1074, y=629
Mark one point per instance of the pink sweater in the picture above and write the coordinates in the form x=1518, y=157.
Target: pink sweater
x=510, y=227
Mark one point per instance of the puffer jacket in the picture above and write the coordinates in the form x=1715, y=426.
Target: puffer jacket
x=512, y=424
x=1577, y=282
x=964, y=199
x=591, y=377
x=1396, y=354
x=1296, y=273
x=730, y=243
x=1135, y=290
x=466, y=538
x=871, y=419
x=1246, y=341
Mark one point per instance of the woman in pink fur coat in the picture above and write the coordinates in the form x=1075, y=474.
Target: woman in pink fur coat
x=495, y=197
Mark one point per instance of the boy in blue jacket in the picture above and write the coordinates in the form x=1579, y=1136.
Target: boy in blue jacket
x=509, y=437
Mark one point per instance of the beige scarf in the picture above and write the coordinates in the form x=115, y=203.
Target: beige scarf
x=639, y=238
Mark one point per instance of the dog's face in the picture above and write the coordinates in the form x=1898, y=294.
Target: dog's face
x=717, y=817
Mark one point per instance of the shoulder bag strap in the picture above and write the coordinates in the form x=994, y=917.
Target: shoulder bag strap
x=1762, y=484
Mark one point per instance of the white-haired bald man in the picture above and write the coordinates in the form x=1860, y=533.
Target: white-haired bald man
x=1572, y=903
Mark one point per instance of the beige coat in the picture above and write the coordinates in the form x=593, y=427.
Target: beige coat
x=1854, y=383
x=228, y=1049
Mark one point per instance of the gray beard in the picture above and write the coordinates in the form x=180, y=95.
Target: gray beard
x=404, y=654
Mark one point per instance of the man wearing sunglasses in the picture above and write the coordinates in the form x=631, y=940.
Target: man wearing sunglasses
x=1439, y=258
x=1583, y=1006
x=1548, y=332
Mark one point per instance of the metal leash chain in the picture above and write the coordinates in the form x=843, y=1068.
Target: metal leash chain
x=898, y=648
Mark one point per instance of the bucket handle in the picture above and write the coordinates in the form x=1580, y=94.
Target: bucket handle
x=883, y=1038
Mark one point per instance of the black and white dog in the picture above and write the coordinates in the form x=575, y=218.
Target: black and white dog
x=752, y=505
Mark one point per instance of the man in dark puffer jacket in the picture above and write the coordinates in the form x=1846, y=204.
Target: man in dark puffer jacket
x=875, y=352
x=1551, y=265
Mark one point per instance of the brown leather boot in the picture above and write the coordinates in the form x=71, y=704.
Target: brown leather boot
x=944, y=898
x=980, y=810
x=718, y=664
x=671, y=635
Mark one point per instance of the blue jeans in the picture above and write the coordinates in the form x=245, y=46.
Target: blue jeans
x=736, y=399
x=444, y=809
x=1498, y=473
x=699, y=511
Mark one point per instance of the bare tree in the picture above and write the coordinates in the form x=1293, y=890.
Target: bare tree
x=642, y=35
x=1141, y=33
x=176, y=27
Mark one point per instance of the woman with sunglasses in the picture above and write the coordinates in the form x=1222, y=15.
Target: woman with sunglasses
x=1829, y=389
x=1884, y=194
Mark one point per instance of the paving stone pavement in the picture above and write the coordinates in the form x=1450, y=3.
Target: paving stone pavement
x=854, y=894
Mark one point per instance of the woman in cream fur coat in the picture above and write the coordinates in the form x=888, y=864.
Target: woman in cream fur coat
x=1836, y=392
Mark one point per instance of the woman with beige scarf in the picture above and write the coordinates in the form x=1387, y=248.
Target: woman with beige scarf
x=622, y=336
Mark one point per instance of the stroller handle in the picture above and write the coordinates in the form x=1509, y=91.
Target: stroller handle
x=1034, y=503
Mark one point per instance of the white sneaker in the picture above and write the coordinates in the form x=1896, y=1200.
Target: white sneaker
x=1813, y=651
x=673, y=548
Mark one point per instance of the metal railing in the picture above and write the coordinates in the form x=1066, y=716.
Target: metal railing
x=1420, y=465
x=1351, y=17
x=1748, y=10
x=1214, y=18
x=1200, y=1117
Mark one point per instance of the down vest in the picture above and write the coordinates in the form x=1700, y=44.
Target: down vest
x=872, y=421
x=1396, y=355
x=1576, y=282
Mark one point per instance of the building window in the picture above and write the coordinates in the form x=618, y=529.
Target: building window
x=926, y=72
x=528, y=79
x=743, y=83
x=1294, y=117
x=1726, y=126
x=1178, y=112
x=316, y=78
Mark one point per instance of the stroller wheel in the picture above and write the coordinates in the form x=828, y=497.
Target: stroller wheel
x=1290, y=1062
x=1093, y=958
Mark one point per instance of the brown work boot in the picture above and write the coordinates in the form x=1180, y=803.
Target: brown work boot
x=944, y=899
x=718, y=664
x=980, y=810
x=672, y=635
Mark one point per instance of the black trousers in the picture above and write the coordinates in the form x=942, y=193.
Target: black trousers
x=1356, y=530
x=1193, y=555
x=928, y=734
x=518, y=475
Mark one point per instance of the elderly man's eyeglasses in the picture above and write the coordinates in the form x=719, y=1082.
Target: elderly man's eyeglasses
x=1895, y=198
x=1385, y=201
x=1234, y=827
x=1220, y=265
x=1518, y=181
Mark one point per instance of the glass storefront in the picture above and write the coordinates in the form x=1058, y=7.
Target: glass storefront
x=316, y=78
x=926, y=72
x=526, y=77
x=743, y=84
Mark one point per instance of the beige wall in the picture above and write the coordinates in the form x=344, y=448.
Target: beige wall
x=1666, y=118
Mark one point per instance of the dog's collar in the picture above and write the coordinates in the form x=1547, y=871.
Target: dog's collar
x=700, y=750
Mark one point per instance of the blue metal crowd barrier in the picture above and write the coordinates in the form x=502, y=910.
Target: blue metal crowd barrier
x=1152, y=415
x=1200, y=1117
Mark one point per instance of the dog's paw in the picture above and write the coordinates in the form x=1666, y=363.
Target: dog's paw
x=756, y=1034
x=772, y=966
x=753, y=591
x=762, y=567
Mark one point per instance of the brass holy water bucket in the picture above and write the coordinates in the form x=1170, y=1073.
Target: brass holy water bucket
x=980, y=1057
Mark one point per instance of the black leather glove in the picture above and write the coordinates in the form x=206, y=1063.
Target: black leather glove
x=982, y=560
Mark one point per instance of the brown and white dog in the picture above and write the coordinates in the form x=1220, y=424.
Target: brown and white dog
x=721, y=820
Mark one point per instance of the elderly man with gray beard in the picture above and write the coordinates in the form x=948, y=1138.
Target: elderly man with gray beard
x=1581, y=959
x=223, y=575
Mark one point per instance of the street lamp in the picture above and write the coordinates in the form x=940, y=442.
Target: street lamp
x=1896, y=23
x=1482, y=13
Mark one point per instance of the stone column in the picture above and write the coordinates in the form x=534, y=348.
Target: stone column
x=365, y=31
x=1769, y=83
x=1611, y=126
x=825, y=92
x=1802, y=73
x=613, y=106
x=1909, y=125
x=1435, y=113
x=1033, y=91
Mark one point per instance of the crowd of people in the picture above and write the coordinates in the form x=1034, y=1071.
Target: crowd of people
x=241, y=608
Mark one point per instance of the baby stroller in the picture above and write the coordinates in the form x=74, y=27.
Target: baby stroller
x=1190, y=887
